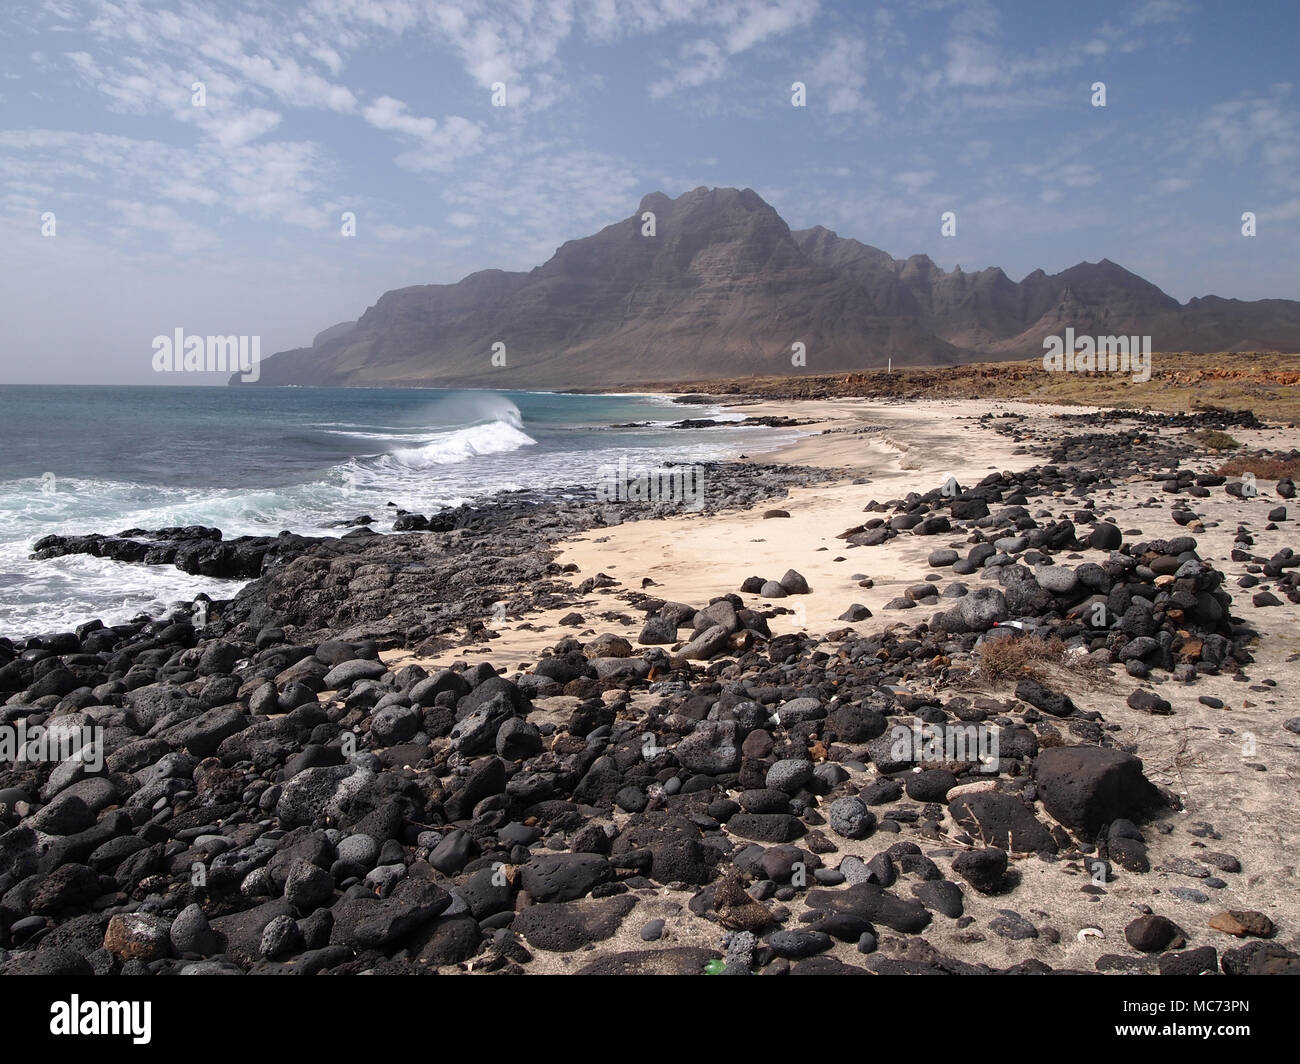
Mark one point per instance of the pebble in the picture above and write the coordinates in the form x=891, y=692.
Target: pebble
x=652, y=931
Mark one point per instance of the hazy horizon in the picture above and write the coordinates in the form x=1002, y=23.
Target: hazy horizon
x=227, y=218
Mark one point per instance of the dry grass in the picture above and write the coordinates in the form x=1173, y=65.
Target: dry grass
x=1263, y=466
x=1181, y=382
x=1030, y=656
x=1174, y=761
x=1214, y=440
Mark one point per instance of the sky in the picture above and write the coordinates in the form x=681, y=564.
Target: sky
x=194, y=165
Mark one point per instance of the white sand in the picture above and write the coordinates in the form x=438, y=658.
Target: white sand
x=1199, y=753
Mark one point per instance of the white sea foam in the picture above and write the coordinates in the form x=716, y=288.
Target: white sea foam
x=496, y=437
x=445, y=451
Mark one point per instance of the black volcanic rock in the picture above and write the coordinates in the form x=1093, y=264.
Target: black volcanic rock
x=1086, y=787
x=356, y=814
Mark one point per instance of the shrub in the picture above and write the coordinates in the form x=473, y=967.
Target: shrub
x=1214, y=440
x=1017, y=657
x=1265, y=467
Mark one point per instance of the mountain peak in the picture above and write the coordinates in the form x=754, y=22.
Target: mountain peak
x=723, y=288
x=705, y=199
x=654, y=201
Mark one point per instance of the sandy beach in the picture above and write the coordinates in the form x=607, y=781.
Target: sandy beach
x=695, y=557
x=676, y=748
x=1233, y=768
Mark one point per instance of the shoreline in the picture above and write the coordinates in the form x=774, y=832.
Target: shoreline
x=675, y=552
x=341, y=712
x=343, y=521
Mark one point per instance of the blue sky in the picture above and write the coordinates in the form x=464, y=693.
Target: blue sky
x=226, y=218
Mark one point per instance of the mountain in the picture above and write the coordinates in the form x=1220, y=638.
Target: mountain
x=724, y=288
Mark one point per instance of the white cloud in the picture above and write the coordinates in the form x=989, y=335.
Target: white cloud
x=754, y=23
x=914, y=180
x=537, y=195
x=840, y=75
x=288, y=81
x=740, y=26
x=390, y=114
x=185, y=236
x=276, y=181
x=974, y=63
x=700, y=62
x=240, y=129
x=453, y=140
x=1154, y=12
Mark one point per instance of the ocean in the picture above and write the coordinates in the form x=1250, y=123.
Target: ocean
x=258, y=461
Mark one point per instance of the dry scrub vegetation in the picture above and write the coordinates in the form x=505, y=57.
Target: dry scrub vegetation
x=1264, y=466
x=1027, y=657
x=1214, y=440
x=1181, y=382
